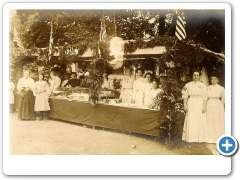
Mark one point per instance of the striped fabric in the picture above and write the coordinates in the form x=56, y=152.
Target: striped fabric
x=103, y=31
x=180, y=27
x=99, y=52
x=17, y=39
x=50, y=42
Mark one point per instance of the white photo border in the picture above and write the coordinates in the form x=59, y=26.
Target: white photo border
x=105, y=164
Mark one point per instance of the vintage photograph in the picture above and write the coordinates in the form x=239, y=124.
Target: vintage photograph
x=116, y=81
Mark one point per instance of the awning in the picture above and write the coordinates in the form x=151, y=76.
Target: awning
x=155, y=52
x=24, y=60
x=56, y=59
x=78, y=58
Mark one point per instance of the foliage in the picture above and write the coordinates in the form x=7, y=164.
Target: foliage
x=211, y=34
x=177, y=56
x=79, y=29
x=15, y=52
x=95, y=80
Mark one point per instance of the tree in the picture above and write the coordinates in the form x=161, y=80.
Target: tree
x=212, y=35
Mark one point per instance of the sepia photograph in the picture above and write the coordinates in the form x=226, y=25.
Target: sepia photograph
x=109, y=81
x=131, y=81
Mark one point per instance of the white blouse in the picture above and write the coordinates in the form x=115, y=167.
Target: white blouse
x=148, y=87
x=55, y=82
x=194, y=89
x=216, y=91
x=127, y=83
x=138, y=85
x=25, y=82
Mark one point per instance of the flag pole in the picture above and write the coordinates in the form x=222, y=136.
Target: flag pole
x=50, y=42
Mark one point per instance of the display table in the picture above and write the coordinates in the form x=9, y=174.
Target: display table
x=143, y=121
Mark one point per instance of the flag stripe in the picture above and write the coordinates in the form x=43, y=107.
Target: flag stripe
x=102, y=31
x=180, y=33
x=17, y=39
x=179, y=37
x=50, y=42
x=102, y=35
x=99, y=52
x=180, y=28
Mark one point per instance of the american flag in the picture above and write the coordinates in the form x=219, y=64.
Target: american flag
x=99, y=52
x=180, y=26
x=17, y=39
x=102, y=31
x=50, y=42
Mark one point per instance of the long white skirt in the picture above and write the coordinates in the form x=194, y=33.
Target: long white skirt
x=195, y=124
x=215, y=120
x=41, y=102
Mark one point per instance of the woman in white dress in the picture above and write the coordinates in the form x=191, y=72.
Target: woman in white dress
x=138, y=88
x=127, y=87
x=54, y=81
x=215, y=110
x=25, y=88
x=155, y=91
x=194, y=94
x=148, y=86
x=106, y=82
x=42, y=91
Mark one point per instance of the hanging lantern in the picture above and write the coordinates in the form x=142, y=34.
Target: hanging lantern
x=116, y=50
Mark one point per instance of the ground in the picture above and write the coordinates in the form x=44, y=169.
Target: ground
x=55, y=137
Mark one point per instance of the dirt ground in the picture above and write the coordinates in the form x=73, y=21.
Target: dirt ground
x=55, y=137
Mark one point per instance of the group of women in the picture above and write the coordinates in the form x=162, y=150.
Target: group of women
x=28, y=105
x=204, y=107
x=141, y=91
